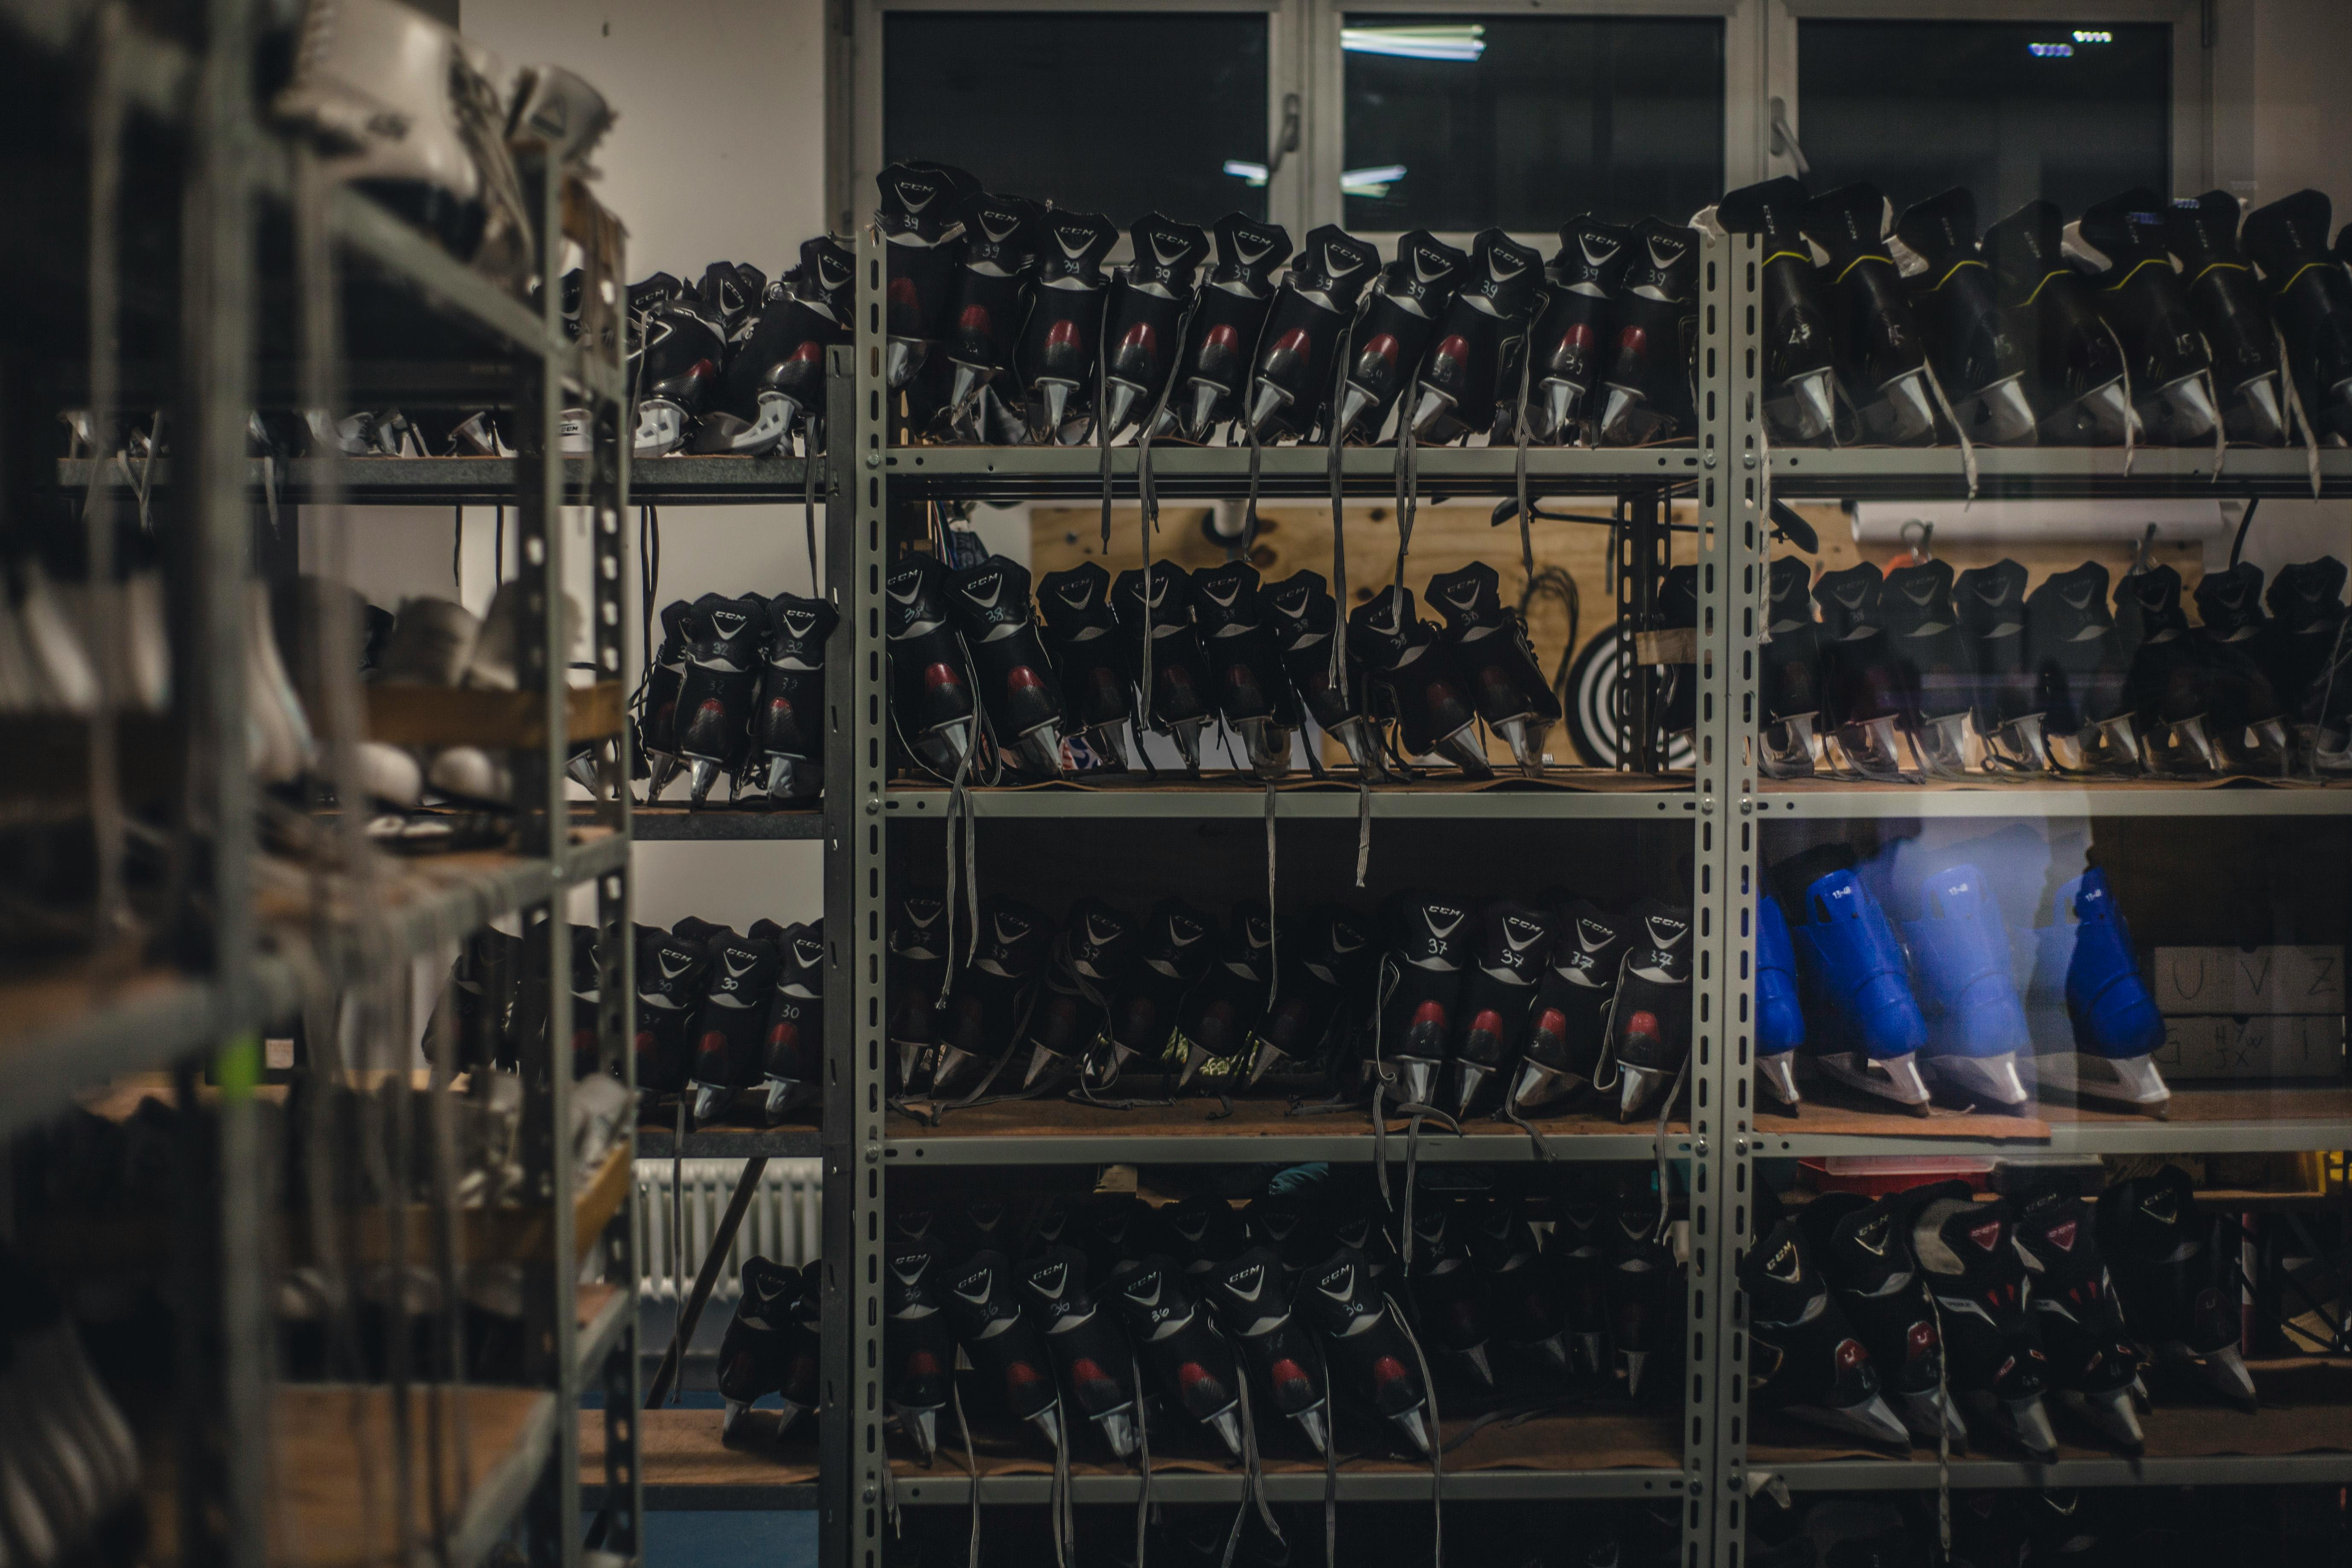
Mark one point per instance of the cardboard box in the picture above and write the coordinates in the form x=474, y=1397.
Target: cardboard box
x=2243, y=982
x=2217, y=1048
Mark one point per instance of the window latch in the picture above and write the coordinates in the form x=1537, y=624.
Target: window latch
x=1784, y=140
x=1288, y=142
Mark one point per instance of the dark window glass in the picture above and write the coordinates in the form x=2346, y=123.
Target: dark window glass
x=1527, y=122
x=1120, y=113
x=2013, y=111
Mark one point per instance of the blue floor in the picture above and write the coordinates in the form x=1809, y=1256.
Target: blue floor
x=731, y=1540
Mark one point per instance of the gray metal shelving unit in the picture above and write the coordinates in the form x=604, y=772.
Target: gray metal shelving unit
x=69, y=1027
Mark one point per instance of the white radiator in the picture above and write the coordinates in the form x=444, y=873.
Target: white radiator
x=785, y=1222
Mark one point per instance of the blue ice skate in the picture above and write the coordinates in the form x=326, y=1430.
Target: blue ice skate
x=1960, y=954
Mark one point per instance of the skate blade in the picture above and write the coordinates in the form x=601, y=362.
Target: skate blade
x=1869, y=747
x=923, y=1425
x=2126, y=1081
x=1473, y=1079
x=1558, y=408
x=1319, y=1432
x=1617, y=415
x=1430, y=411
x=727, y=1424
x=2186, y=408
x=948, y=1068
x=1041, y=1062
x=1910, y=409
x=1992, y=1078
x=1540, y=1085
x=1353, y=403
x=2107, y=412
x=1112, y=744
x=1227, y=1425
x=1776, y=1075
x=704, y=773
x=1590, y=1353
x=1117, y=1427
x=1640, y=1085
x=1636, y=1363
x=1416, y=1080
x=2006, y=416
x=582, y=770
x=2111, y=1413
x=789, y=1413
x=1481, y=1368
x=710, y=1099
x=2021, y=737
x=1553, y=1352
x=1039, y=752
x=1871, y=1421
x=1896, y=1078
x=1812, y=406
x=1941, y=744
x=2224, y=1371
x=2122, y=738
x=910, y=1054
x=781, y=1092
x=1414, y=1424
x=2190, y=740
x=2256, y=415
x=1262, y=1063
x=1267, y=745
x=1462, y=750
x=1526, y=738
x=665, y=769
x=1925, y=1412
x=902, y=362
x=783, y=782
x=2029, y=1423
x=1186, y=733
x=1791, y=756
x=1119, y=399
x=1363, y=750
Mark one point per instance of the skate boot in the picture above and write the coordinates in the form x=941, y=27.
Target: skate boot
x=1141, y=334
x=1570, y=334
x=1649, y=1022
x=1420, y=990
x=793, y=1064
x=1851, y=971
x=2093, y=1364
x=922, y=216
x=2172, y=1268
x=1064, y=333
x=2240, y=652
x=917, y=967
x=1881, y=356
x=2312, y=302
x=1291, y=378
x=1168, y=1328
x=727, y=1047
x=2167, y=685
x=731, y=293
x=1529, y=1318
x=477, y=1009
x=1205, y=1233
x=1177, y=670
x=1864, y=1249
x=673, y=971
x=1570, y=1028
x=1508, y=968
x=1252, y=1295
x=1092, y=954
x=1975, y=1024
x=1788, y=672
x=680, y=344
x=1371, y=1358
x=1805, y=1360
x=1648, y=380
x=1323, y=960
x=1799, y=369
x=1253, y=695
x=1219, y=1018
x=2005, y=709
x=1576, y=1269
x=788, y=734
x=1003, y=1343
x=2306, y=604
x=1179, y=944
x=775, y=377
x=2078, y=663
x=2232, y=308
x=1997, y=1367
x=1221, y=342
x=1020, y=696
x=2086, y=956
x=1404, y=658
x=770, y=1346
x=992, y=996
x=1978, y=354
x=1089, y=1353
x=1862, y=679
x=716, y=698
x=2074, y=378
x=1304, y=620
x=1452, y=1301
x=1779, y=1016
x=987, y=296
x=1489, y=641
x=2141, y=297
x=1642, y=1289
x=1400, y=319
x=658, y=721
x=1083, y=636
x=404, y=110
x=916, y=1344
x=931, y=702
x=1931, y=659
x=1455, y=394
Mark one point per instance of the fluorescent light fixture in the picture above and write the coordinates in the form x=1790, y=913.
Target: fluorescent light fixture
x=2051, y=51
x=2093, y=36
x=1459, y=43
x=1374, y=182
x=1254, y=173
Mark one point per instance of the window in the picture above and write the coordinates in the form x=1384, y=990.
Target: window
x=1458, y=122
x=2012, y=111
x=1119, y=113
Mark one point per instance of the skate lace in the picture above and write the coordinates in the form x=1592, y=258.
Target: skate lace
x=1335, y=469
x=1968, y=448
x=972, y=1467
x=2296, y=412
x=1144, y=1462
x=1519, y=470
x=1436, y=1436
x=808, y=512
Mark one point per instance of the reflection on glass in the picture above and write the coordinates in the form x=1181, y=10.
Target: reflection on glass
x=1117, y=113
x=1456, y=123
x=2013, y=111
